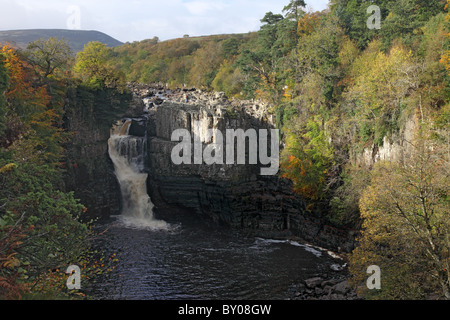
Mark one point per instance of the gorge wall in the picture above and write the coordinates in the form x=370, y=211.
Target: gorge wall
x=396, y=148
x=235, y=195
x=89, y=170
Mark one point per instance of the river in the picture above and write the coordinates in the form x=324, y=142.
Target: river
x=199, y=259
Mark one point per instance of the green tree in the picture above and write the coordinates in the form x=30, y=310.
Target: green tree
x=229, y=80
x=260, y=59
x=400, y=19
x=293, y=12
x=92, y=67
x=49, y=55
x=230, y=47
x=293, y=9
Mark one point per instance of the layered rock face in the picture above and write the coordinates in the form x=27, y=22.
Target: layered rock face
x=234, y=194
x=89, y=170
x=90, y=173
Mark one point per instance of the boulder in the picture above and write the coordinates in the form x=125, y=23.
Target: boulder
x=313, y=282
x=341, y=287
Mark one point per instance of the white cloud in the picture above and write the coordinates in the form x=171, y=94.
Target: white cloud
x=203, y=7
x=142, y=19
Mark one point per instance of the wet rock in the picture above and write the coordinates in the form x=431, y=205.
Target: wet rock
x=328, y=282
x=313, y=282
x=341, y=287
x=138, y=127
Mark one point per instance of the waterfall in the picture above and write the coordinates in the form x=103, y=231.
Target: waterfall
x=128, y=154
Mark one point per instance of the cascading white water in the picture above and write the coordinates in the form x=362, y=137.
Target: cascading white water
x=128, y=155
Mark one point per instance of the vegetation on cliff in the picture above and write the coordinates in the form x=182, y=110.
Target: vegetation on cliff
x=42, y=230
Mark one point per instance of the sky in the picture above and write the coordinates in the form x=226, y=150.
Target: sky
x=136, y=20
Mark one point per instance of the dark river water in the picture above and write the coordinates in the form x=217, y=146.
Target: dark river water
x=198, y=259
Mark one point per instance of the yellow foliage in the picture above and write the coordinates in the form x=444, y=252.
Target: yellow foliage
x=445, y=58
x=406, y=218
x=8, y=167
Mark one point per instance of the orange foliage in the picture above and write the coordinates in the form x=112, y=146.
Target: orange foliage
x=38, y=112
x=22, y=87
x=307, y=23
x=445, y=58
x=11, y=288
x=300, y=172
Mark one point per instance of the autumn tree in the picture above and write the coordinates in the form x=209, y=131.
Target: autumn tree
x=307, y=158
x=229, y=80
x=205, y=64
x=381, y=84
x=406, y=225
x=4, y=83
x=41, y=228
x=38, y=219
x=445, y=58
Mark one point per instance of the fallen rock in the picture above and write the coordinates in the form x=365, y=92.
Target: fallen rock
x=341, y=287
x=313, y=282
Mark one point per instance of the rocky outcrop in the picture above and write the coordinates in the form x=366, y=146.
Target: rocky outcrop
x=325, y=287
x=395, y=148
x=237, y=195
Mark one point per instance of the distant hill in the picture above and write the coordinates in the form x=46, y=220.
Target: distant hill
x=75, y=38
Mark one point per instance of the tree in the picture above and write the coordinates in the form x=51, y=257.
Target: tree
x=406, y=228
x=381, y=84
x=4, y=83
x=260, y=58
x=230, y=47
x=93, y=68
x=37, y=219
x=445, y=58
x=293, y=9
x=206, y=63
x=306, y=158
x=294, y=12
x=41, y=230
x=318, y=57
x=400, y=19
x=49, y=55
x=228, y=79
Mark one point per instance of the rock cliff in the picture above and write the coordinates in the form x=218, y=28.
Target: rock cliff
x=237, y=195
x=396, y=148
x=89, y=170
x=233, y=194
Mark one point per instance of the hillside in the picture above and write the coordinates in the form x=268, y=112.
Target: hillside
x=75, y=38
x=192, y=61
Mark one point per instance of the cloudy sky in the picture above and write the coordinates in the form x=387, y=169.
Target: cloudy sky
x=135, y=20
